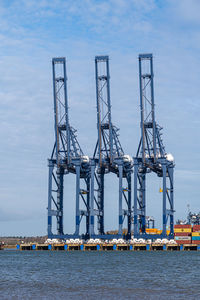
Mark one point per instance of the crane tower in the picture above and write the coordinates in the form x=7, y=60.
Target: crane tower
x=109, y=154
x=151, y=156
x=67, y=157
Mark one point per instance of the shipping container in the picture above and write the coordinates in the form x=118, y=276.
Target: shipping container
x=151, y=229
x=182, y=233
x=184, y=238
x=196, y=233
x=196, y=228
x=196, y=242
x=196, y=238
x=182, y=229
x=183, y=242
x=183, y=226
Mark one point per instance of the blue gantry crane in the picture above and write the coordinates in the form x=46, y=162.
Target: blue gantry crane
x=109, y=156
x=151, y=156
x=67, y=157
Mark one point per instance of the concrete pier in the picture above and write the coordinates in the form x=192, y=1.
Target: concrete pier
x=107, y=247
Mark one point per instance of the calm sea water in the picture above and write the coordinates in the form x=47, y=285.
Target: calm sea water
x=99, y=275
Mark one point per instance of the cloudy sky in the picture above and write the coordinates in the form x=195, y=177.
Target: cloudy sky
x=31, y=33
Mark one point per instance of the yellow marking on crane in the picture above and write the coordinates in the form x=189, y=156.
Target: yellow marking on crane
x=83, y=192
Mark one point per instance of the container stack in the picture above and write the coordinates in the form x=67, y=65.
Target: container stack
x=196, y=234
x=182, y=234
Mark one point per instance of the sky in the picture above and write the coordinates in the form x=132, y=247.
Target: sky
x=31, y=33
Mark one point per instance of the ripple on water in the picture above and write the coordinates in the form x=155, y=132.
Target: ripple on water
x=99, y=275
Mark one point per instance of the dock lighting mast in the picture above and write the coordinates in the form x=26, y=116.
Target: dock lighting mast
x=109, y=153
x=67, y=157
x=151, y=156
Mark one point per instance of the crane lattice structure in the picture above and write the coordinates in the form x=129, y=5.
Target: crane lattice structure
x=109, y=155
x=67, y=157
x=151, y=156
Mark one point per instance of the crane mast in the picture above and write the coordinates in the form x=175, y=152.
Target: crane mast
x=108, y=153
x=151, y=155
x=67, y=157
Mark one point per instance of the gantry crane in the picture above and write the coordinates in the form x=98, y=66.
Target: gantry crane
x=109, y=155
x=151, y=156
x=67, y=157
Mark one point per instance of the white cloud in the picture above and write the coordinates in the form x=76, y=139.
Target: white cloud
x=186, y=10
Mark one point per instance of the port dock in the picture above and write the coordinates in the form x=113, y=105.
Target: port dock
x=107, y=247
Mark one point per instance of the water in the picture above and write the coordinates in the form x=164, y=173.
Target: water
x=99, y=275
